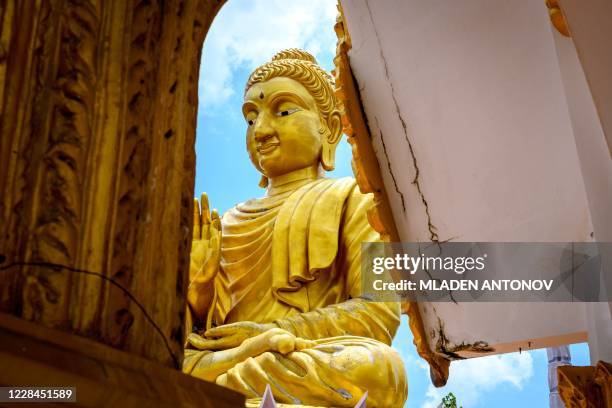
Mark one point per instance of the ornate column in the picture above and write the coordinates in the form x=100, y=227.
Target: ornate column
x=98, y=107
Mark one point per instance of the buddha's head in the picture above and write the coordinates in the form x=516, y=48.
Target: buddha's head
x=292, y=115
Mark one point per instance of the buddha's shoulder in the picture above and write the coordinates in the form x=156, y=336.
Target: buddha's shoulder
x=344, y=190
x=325, y=189
x=350, y=185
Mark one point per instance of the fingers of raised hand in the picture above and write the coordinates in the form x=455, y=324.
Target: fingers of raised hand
x=205, y=213
x=215, y=219
x=197, y=220
x=212, y=233
x=205, y=222
x=212, y=230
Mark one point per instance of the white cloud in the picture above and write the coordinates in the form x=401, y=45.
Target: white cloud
x=470, y=379
x=247, y=33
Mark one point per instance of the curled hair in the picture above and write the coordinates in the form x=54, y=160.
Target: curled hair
x=302, y=67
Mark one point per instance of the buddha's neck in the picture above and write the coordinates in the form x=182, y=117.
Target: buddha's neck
x=292, y=180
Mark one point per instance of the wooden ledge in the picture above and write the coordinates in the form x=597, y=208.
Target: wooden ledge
x=103, y=376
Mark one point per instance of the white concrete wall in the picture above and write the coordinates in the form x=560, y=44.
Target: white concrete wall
x=472, y=92
x=591, y=32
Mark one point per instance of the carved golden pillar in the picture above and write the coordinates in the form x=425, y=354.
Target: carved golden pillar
x=98, y=105
x=586, y=387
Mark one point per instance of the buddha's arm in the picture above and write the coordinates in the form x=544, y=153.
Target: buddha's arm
x=357, y=316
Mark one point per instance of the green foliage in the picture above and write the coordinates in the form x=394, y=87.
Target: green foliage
x=450, y=401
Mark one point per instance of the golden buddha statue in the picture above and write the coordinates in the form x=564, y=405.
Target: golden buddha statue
x=276, y=284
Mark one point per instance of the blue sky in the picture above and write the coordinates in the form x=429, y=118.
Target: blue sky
x=246, y=34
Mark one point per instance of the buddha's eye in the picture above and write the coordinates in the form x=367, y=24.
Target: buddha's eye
x=251, y=117
x=287, y=112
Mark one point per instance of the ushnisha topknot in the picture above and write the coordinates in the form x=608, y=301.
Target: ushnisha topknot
x=295, y=53
x=302, y=67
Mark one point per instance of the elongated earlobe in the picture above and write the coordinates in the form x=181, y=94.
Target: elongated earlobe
x=330, y=141
x=328, y=157
x=263, y=182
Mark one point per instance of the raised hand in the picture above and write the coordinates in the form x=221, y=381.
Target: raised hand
x=206, y=244
x=205, y=255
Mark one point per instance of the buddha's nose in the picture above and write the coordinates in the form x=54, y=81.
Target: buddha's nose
x=263, y=130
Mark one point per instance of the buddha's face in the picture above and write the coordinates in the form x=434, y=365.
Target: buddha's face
x=283, y=126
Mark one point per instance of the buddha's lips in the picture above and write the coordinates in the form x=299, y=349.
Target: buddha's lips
x=267, y=148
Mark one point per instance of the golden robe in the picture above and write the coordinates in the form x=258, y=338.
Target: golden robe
x=294, y=259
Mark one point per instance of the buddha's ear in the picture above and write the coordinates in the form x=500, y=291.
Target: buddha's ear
x=330, y=141
x=263, y=182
